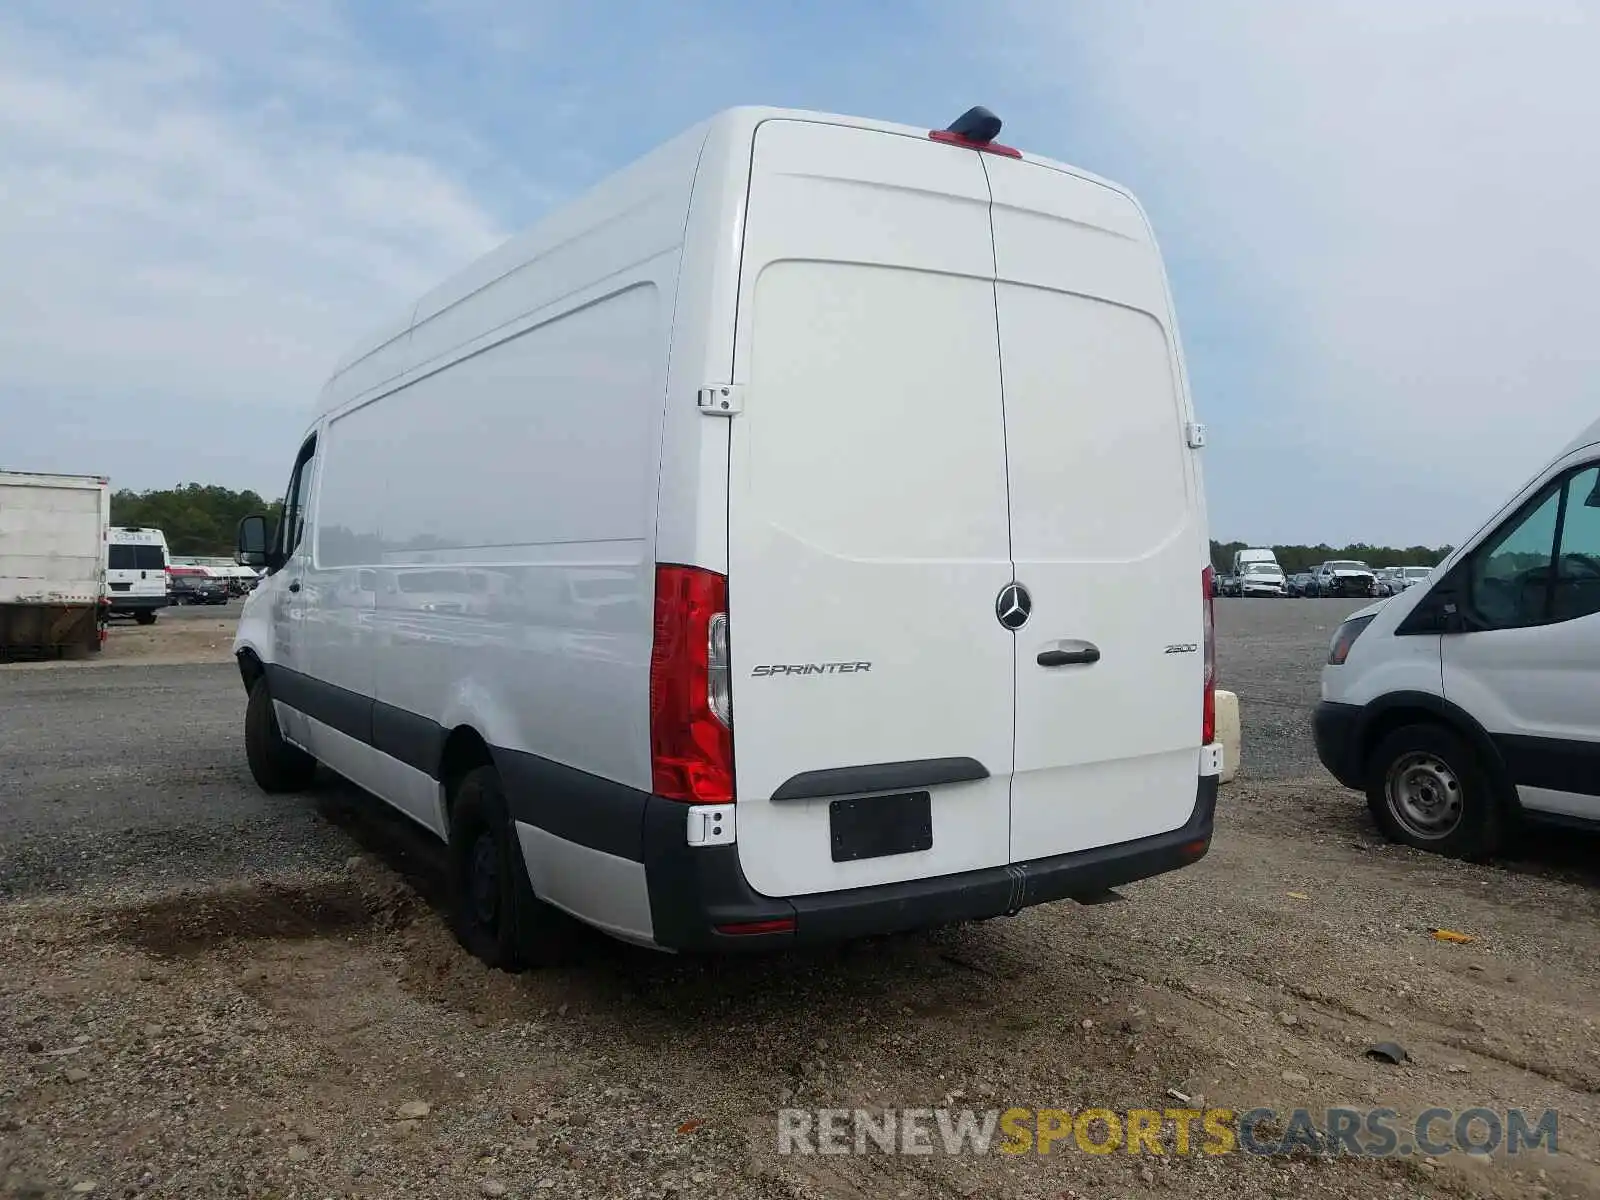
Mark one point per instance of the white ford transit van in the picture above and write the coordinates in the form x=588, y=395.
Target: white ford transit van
x=1472, y=700
x=799, y=536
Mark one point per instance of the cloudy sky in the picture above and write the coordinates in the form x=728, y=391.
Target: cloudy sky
x=1378, y=217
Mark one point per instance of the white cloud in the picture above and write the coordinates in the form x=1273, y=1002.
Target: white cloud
x=1383, y=214
x=184, y=228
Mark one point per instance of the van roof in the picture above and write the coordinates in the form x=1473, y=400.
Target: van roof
x=605, y=201
x=1588, y=437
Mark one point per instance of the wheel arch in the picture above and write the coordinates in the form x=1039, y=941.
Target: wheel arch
x=1398, y=709
x=251, y=668
x=464, y=750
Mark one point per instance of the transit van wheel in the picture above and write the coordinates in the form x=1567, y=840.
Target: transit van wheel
x=1427, y=789
x=276, y=765
x=496, y=916
x=145, y=616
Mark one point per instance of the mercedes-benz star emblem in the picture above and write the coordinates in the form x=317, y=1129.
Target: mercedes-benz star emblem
x=1013, y=605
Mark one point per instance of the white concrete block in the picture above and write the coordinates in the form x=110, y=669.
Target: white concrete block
x=1228, y=733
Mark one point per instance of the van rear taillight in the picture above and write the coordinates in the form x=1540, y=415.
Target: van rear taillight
x=691, y=701
x=1208, y=720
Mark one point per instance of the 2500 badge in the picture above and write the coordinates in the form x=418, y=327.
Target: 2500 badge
x=838, y=668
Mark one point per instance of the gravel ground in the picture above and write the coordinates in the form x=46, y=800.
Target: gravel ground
x=206, y=992
x=135, y=776
x=1270, y=652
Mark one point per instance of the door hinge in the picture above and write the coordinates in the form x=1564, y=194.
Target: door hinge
x=1195, y=434
x=720, y=399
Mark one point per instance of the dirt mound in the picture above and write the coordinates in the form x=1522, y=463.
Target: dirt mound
x=190, y=923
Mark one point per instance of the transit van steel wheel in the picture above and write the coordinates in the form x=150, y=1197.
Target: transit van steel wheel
x=1424, y=795
x=1426, y=788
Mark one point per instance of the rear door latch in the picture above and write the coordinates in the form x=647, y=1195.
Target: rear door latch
x=1195, y=434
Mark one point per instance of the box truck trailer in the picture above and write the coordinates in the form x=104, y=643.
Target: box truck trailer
x=52, y=561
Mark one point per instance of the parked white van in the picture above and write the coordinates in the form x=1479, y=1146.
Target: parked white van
x=1472, y=700
x=799, y=536
x=136, y=572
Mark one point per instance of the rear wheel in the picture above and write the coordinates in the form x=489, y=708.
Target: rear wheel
x=145, y=616
x=275, y=764
x=1427, y=789
x=496, y=916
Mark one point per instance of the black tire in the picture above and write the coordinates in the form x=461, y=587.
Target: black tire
x=145, y=616
x=1427, y=771
x=495, y=914
x=276, y=765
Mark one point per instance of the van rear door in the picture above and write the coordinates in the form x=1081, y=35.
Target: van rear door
x=1105, y=518
x=868, y=535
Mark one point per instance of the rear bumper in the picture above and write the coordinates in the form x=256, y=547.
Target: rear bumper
x=124, y=603
x=1336, y=729
x=696, y=890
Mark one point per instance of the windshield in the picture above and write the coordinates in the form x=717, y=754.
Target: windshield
x=1257, y=568
x=1417, y=572
x=1348, y=566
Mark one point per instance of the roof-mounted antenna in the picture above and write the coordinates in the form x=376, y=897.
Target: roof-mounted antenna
x=977, y=125
x=974, y=129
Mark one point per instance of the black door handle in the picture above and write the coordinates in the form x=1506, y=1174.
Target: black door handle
x=1070, y=654
x=295, y=586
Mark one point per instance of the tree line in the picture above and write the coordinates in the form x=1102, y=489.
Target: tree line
x=1294, y=559
x=199, y=520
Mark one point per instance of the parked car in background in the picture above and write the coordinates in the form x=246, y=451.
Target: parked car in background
x=1388, y=580
x=1261, y=579
x=1411, y=576
x=1243, y=560
x=1300, y=584
x=196, y=587
x=1346, y=577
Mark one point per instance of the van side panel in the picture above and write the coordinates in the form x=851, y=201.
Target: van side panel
x=692, y=502
x=513, y=568
x=484, y=532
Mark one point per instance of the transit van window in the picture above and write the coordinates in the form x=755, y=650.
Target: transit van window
x=1576, y=588
x=1508, y=579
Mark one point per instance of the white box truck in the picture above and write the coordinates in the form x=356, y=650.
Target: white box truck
x=720, y=563
x=52, y=561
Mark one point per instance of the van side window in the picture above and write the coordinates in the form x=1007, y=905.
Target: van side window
x=1544, y=566
x=1576, y=589
x=1509, y=575
x=291, y=526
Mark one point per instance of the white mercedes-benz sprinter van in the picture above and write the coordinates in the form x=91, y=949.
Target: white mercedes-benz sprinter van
x=800, y=536
x=1471, y=702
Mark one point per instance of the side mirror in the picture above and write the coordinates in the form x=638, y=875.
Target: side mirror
x=251, y=545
